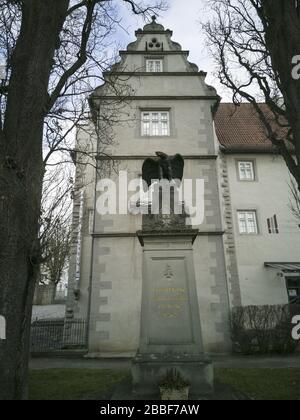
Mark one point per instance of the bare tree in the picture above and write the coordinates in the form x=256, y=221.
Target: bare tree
x=56, y=256
x=47, y=47
x=55, y=226
x=255, y=43
x=294, y=204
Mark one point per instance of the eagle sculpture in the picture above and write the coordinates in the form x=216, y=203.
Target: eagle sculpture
x=163, y=167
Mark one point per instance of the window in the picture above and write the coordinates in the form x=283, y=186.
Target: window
x=247, y=222
x=246, y=171
x=154, y=66
x=273, y=225
x=155, y=123
x=293, y=288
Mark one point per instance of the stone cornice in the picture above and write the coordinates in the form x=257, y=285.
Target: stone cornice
x=154, y=32
x=158, y=98
x=143, y=157
x=135, y=235
x=157, y=74
x=180, y=52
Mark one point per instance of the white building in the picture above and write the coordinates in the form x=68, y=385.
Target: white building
x=167, y=106
x=266, y=234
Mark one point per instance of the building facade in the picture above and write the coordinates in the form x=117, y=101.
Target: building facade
x=154, y=99
x=266, y=234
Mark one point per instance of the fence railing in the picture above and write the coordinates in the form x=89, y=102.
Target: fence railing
x=54, y=335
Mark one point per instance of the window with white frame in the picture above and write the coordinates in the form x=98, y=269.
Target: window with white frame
x=246, y=171
x=155, y=123
x=154, y=66
x=247, y=220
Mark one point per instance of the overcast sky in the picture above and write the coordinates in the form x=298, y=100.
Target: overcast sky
x=183, y=17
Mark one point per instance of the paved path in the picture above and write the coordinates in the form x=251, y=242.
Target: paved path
x=219, y=362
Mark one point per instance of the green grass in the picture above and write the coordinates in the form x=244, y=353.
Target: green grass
x=73, y=384
x=96, y=384
x=263, y=384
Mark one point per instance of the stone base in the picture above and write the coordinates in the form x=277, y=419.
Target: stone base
x=148, y=370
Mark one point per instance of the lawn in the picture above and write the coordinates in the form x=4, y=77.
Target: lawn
x=73, y=384
x=89, y=384
x=263, y=384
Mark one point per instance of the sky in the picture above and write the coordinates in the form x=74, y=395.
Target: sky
x=184, y=18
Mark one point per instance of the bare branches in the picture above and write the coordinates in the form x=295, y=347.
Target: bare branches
x=10, y=18
x=249, y=40
x=77, y=6
x=294, y=204
x=95, y=11
x=55, y=233
x=82, y=54
x=79, y=63
x=139, y=8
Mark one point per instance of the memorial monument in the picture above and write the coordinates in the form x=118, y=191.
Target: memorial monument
x=170, y=333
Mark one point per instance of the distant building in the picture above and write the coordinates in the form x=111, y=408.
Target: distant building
x=248, y=245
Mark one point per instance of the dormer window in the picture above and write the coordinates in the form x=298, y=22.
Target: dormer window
x=154, y=66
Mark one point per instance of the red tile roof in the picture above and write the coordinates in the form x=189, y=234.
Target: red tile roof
x=239, y=128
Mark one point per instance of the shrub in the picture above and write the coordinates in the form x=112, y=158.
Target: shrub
x=263, y=329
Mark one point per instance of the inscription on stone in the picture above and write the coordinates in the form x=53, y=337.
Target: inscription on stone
x=169, y=304
x=174, y=296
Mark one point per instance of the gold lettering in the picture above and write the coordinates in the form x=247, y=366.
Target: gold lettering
x=170, y=290
x=169, y=306
x=171, y=298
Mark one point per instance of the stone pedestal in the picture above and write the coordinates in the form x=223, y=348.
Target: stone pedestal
x=170, y=324
x=148, y=369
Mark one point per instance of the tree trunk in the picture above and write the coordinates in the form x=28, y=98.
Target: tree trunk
x=282, y=19
x=54, y=287
x=21, y=174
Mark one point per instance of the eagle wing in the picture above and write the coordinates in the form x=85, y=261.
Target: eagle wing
x=151, y=170
x=177, y=166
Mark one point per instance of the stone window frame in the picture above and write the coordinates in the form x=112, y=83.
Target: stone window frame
x=252, y=210
x=156, y=110
x=156, y=59
x=254, y=167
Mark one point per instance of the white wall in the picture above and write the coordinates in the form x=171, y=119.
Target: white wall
x=268, y=195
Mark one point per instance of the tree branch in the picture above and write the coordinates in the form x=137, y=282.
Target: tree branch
x=82, y=55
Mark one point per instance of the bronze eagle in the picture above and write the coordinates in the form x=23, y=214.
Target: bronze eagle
x=163, y=167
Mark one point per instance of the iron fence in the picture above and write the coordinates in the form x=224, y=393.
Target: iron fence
x=59, y=334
